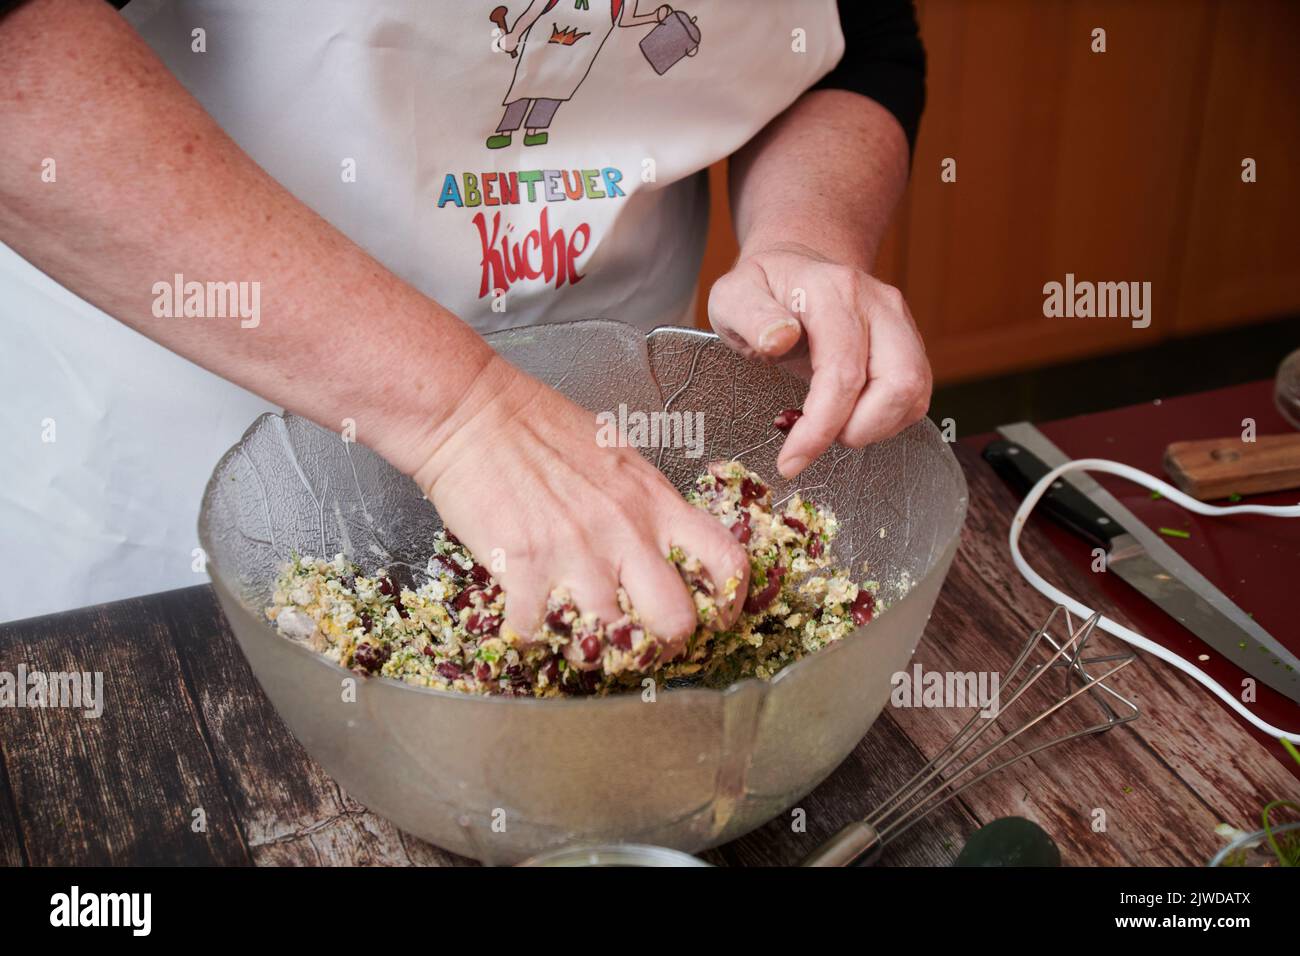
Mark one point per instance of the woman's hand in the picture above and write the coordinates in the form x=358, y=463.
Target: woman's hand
x=522, y=481
x=851, y=334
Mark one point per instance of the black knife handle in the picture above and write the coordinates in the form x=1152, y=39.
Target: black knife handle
x=1064, y=503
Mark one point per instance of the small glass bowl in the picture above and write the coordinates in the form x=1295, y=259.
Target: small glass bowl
x=614, y=854
x=1253, y=849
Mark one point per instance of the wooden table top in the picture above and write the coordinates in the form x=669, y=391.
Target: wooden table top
x=187, y=729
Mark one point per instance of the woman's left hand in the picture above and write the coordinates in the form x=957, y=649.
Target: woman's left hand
x=851, y=334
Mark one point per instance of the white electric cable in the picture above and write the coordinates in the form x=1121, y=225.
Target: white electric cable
x=1058, y=596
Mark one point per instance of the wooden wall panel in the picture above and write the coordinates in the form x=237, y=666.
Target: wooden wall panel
x=1068, y=161
x=1241, y=260
x=721, y=248
x=1115, y=166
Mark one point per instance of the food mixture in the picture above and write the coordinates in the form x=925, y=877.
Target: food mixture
x=448, y=632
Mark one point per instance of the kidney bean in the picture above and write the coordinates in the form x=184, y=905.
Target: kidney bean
x=450, y=671
x=751, y=491
x=785, y=420
x=815, y=547
x=463, y=599
x=621, y=637
x=482, y=623
x=863, y=608
x=482, y=671
x=757, y=601
x=741, y=530
x=590, y=648
x=448, y=565
x=370, y=657
x=556, y=622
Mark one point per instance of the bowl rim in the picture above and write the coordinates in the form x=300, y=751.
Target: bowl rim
x=1245, y=839
x=745, y=685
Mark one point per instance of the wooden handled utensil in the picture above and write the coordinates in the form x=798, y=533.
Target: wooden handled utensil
x=1221, y=467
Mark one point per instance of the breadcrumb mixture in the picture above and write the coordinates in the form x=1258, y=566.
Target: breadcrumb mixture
x=448, y=632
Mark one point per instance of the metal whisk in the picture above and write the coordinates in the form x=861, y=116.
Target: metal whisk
x=935, y=784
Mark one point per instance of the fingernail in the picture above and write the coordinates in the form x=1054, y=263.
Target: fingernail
x=793, y=466
x=769, y=339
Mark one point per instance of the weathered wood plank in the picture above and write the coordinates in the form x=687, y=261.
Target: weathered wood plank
x=11, y=839
x=293, y=813
x=186, y=725
x=290, y=810
x=882, y=762
x=1162, y=782
x=119, y=788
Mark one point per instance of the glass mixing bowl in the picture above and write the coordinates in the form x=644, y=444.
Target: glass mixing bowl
x=503, y=779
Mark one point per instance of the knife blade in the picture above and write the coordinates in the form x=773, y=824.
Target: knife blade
x=1172, y=585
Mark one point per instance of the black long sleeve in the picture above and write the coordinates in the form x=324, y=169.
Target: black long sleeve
x=883, y=59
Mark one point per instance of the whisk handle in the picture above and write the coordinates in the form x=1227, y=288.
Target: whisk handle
x=858, y=844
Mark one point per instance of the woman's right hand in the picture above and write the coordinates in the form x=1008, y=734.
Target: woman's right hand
x=521, y=479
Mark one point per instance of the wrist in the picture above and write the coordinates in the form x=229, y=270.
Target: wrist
x=498, y=394
x=418, y=384
x=830, y=244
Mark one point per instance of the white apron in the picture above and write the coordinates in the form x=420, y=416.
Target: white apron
x=558, y=51
x=606, y=219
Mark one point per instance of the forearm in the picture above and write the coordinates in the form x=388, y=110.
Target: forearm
x=824, y=175
x=811, y=196
x=148, y=186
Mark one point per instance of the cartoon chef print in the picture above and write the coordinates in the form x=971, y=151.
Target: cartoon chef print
x=555, y=42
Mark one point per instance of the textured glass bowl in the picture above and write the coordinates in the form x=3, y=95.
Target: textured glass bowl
x=503, y=779
x=615, y=854
x=1254, y=849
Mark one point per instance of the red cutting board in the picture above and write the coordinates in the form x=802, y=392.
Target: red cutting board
x=1254, y=560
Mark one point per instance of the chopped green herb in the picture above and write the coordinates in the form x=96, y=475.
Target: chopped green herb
x=1290, y=748
x=1175, y=533
x=1234, y=497
x=1156, y=496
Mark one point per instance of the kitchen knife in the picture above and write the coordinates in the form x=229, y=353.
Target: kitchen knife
x=1188, y=598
